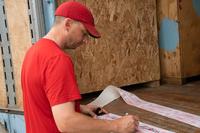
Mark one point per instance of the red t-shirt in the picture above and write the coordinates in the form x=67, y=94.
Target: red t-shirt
x=47, y=79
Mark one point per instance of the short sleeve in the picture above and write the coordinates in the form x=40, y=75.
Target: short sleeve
x=60, y=85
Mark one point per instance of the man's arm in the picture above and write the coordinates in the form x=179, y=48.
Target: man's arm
x=67, y=120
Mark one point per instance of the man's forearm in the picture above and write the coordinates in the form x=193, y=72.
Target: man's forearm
x=79, y=123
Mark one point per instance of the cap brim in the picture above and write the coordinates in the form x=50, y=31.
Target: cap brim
x=92, y=31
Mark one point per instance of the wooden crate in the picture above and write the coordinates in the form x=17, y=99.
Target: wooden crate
x=179, y=28
x=169, y=50
x=127, y=53
x=189, y=23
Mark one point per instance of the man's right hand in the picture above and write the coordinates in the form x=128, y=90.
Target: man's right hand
x=127, y=124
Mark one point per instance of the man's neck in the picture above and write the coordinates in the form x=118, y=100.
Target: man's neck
x=52, y=35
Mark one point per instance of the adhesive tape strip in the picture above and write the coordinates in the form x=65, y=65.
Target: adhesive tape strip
x=111, y=93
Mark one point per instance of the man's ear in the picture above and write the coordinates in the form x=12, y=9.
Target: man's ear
x=68, y=23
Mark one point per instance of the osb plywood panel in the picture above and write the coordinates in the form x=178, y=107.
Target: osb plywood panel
x=167, y=10
x=127, y=53
x=189, y=36
x=20, y=38
x=3, y=98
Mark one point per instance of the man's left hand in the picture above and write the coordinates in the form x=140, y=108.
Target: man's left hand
x=92, y=110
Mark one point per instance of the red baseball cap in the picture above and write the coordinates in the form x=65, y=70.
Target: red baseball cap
x=78, y=12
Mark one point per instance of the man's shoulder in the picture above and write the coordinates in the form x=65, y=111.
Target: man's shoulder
x=48, y=48
x=45, y=50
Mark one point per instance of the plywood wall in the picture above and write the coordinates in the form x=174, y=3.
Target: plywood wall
x=20, y=38
x=189, y=17
x=127, y=53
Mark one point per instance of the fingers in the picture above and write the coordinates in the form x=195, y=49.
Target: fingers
x=93, y=107
x=93, y=110
x=135, y=120
x=92, y=114
x=100, y=111
x=136, y=124
x=105, y=111
x=128, y=124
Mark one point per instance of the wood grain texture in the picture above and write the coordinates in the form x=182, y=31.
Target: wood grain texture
x=20, y=38
x=127, y=53
x=3, y=98
x=167, y=8
x=189, y=39
x=170, y=61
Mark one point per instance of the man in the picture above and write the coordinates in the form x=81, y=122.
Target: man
x=50, y=91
